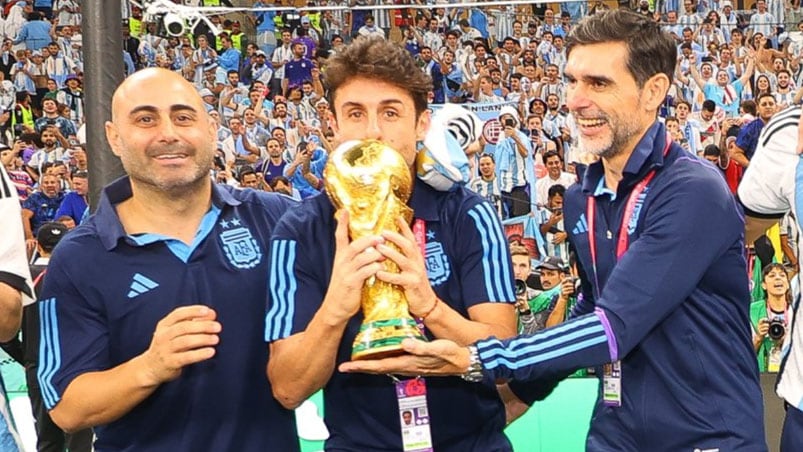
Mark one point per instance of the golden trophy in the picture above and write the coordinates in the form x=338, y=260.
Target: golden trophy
x=373, y=183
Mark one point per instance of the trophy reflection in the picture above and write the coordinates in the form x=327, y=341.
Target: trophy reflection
x=373, y=183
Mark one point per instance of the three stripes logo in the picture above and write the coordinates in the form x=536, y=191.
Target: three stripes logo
x=581, y=227
x=140, y=285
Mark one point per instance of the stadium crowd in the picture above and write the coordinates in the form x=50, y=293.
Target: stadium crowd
x=263, y=80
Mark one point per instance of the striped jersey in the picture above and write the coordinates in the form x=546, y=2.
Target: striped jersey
x=773, y=185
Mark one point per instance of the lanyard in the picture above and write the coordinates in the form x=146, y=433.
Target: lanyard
x=627, y=217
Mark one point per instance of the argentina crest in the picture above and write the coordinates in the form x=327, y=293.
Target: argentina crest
x=240, y=247
x=438, y=269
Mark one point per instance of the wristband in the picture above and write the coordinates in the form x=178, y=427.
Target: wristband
x=434, y=305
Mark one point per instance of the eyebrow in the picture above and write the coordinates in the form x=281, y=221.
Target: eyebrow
x=383, y=103
x=589, y=78
x=152, y=109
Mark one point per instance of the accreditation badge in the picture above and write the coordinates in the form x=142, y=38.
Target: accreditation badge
x=612, y=384
x=414, y=415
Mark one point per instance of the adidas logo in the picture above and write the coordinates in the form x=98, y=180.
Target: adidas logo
x=140, y=285
x=581, y=227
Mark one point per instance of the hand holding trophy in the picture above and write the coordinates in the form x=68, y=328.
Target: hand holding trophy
x=373, y=183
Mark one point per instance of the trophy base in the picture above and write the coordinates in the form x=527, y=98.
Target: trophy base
x=382, y=339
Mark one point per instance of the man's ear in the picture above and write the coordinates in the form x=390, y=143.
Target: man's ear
x=113, y=137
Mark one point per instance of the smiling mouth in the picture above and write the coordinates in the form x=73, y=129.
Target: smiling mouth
x=590, y=122
x=170, y=156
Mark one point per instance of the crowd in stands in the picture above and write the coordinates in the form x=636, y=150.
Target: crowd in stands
x=263, y=80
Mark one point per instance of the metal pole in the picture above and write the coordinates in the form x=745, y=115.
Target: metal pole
x=103, y=72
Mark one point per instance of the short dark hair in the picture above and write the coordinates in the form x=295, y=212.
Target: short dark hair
x=378, y=59
x=557, y=189
x=749, y=107
x=650, y=50
x=245, y=172
x=709, y=105
x=712, y=149
x=549, y=154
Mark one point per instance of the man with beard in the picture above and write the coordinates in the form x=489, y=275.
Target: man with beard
x=784, y=94
x=51, y=152
x=747, y=141
x=486, y=184
x=41, y=207
x=297, y=69
x=138, y=325
x=659, y=243
x=51, y=116
x=280, y=117
x=274, y=165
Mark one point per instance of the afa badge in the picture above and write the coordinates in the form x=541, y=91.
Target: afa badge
x=438, y=269
x=240, y=247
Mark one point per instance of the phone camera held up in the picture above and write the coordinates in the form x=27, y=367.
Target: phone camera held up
x=509, y=122
x=521, y=288
x=777, y=329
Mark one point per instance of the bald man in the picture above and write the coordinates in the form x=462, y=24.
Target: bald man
x=152, y=311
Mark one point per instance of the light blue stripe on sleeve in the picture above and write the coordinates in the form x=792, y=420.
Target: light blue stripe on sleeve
x=519, y=352
x=517, y=364
x=279, y=319
x=49, y=351
x=488, y=270
x=504, y=262
x=495, y=264
x=290, y=296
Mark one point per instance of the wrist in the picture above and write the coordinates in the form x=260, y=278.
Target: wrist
x=145, y=375
x=431, y=309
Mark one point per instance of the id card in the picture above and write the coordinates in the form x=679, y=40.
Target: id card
x=612, y=384
x=414, y=415
x=774, y=360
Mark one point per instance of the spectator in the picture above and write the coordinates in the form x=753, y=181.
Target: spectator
x=41, y=207
x=35, y=33
x=555, y=176
x=487, y=184
x=514, y=165
x=552, y=228
x=770, y=318
x=747, y=140
x=76, y=202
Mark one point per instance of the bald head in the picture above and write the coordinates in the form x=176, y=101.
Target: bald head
x=153, y=83
x=162, y=133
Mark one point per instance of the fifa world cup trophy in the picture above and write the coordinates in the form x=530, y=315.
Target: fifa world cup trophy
x=373, y=183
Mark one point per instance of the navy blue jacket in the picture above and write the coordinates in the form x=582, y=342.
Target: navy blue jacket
x=673, y=309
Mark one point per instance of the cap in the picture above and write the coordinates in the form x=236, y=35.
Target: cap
x=260, y=53
x=552, y=263
x=205, y=92
x=72, y=77
x=727, y=3
x=50, y=233
x=322, y=101
x=36, y=53
x=304, y=19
